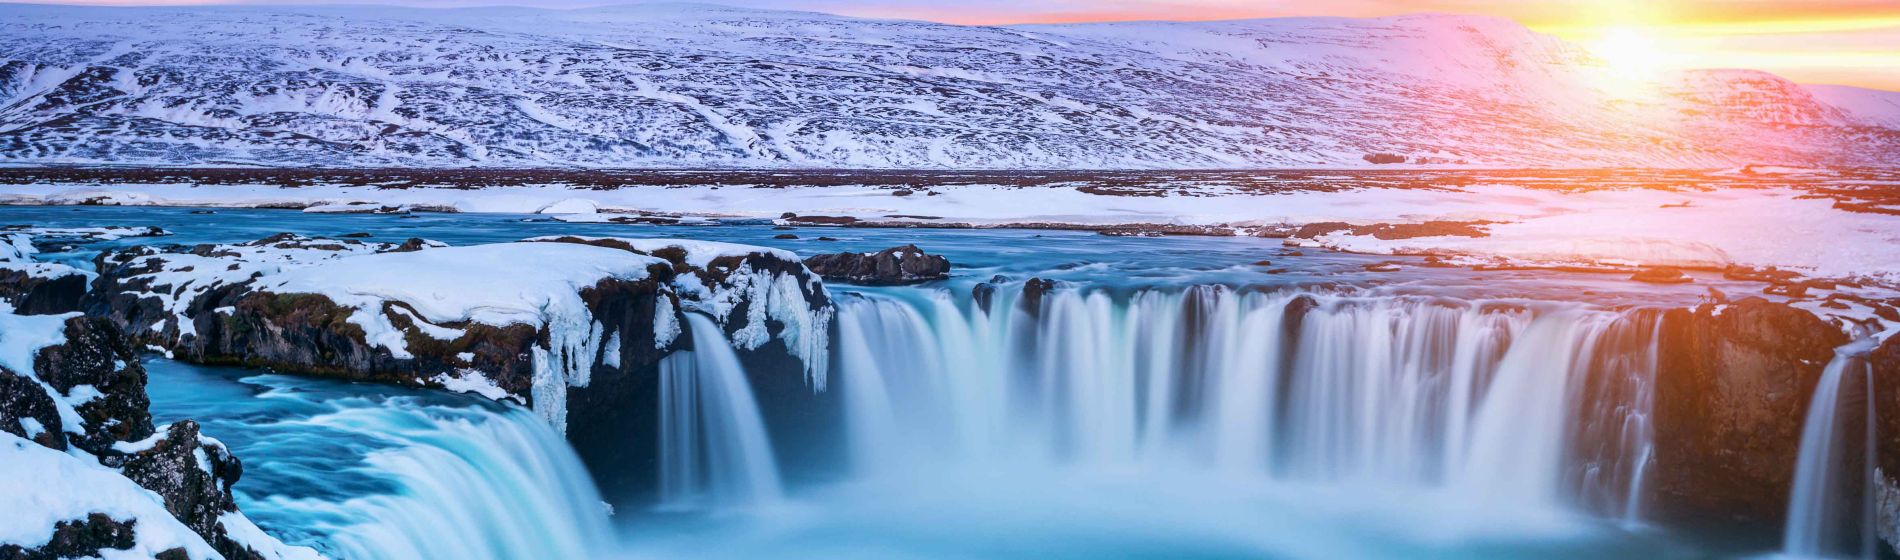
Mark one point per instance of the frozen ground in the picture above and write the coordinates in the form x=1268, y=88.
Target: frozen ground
x=1837, y=224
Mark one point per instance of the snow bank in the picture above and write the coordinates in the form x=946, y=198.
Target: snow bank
x=21, y=338
x=1775, y=226
x=176, y=279
x=535, y=284
x=1712, y=229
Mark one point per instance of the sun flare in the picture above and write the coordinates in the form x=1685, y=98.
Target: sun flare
x=1633, y=58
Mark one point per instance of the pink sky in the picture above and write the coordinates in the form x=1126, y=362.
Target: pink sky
x=1850, y=42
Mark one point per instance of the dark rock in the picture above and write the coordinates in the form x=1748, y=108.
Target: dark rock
x=1316, y=229
x=356, y=235
x=1263, y=263
x=1381, y=267
x=1785, y=289
x=39, y=295
x=1732, y=389
x=902, y=192
x=95, y=354
x=897, y=265
x=202, y=212
x=1770, y=274
x=1885, y=363
x=823, y=220
x=984, y=293
x=415, y=244
x=827, y=239
x=79, y=538
x=1661, y=275
x=1033, y=292
x=22, y=398
x=195, y=496
x=785, y=236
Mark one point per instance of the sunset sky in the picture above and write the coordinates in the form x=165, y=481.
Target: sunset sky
x=1850, y=42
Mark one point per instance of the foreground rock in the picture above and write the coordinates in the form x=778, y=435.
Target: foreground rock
x=894, y=266
x=86, y=471
x=1733, y=385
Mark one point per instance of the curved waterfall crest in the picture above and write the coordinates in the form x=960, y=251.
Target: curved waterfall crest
x=463, y=482
x=1537, y=403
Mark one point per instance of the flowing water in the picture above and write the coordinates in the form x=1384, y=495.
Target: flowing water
x=1830, y=512
x=379, y=472
x=714, y=451
x=1168, y=399
x=1488, y=399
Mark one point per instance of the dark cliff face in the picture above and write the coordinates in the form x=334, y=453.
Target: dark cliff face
x=1732, y=389
x=118, y=431
x=615, y=419
x=39, y=295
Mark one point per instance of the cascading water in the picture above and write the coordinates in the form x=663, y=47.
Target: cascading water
x=714, y=451
x=379, y=472
x=1536, y=404
x=1824, y=517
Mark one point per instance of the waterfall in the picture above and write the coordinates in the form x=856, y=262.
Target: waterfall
x=714, y=451
x=1533, y=403
x=1823, y=516
x=368, y=471
x=504, y=486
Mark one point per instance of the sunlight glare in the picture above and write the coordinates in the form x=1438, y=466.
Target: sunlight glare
x=1633, y=59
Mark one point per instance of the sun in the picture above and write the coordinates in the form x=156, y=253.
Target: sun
x=1633, y=58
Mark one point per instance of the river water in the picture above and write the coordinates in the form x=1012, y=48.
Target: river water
x=1159, y=404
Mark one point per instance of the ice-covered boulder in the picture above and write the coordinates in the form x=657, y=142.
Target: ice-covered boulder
x=905, y=264
x=85, y=471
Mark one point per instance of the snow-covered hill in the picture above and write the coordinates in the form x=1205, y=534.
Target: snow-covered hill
x=699, y=86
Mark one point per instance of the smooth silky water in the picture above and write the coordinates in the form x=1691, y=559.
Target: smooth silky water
x=1159, y=404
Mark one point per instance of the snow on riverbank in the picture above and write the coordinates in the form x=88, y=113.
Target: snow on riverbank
x=1772, y=226
x=481, y=284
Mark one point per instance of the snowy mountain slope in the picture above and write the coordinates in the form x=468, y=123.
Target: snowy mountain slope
x=1871, y=107
x=694, y=86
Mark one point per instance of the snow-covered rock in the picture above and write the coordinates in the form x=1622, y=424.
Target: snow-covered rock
x=84, y=471
x=35, y=287
x=691, y=85
x=470, y=319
